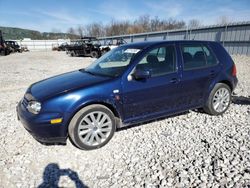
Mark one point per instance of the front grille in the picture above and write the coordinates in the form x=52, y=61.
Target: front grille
x=28, y=97
x=25, y=102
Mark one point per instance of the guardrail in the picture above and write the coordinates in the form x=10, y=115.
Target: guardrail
x=235, y=37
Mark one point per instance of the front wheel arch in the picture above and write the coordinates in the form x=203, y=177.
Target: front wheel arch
x=110, y=106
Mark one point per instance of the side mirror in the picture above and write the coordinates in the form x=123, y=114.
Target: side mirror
x=142, y=74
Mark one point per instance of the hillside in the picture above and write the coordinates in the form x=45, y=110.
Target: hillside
x=18, y=33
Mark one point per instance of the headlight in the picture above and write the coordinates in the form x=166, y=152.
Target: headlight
x=34, y=107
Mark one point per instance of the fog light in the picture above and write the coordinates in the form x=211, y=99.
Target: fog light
x=55, y=121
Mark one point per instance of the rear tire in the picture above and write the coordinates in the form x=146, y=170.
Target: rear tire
x=94, y=54
x=92, y=127
x=219, y=99
x=72, y=54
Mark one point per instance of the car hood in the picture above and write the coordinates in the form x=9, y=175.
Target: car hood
x=64, y=83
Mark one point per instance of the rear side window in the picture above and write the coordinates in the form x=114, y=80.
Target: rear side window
x=197, y=56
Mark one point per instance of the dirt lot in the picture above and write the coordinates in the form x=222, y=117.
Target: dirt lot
x=192, y=149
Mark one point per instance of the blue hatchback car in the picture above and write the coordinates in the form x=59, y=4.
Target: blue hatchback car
x=133, y=83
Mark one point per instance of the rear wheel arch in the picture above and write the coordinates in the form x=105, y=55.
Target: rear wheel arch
x=213, y=84
x=211, y=100
x=228, y=83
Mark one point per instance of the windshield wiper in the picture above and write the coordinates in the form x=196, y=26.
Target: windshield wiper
x=89, y=72
x=95, y=73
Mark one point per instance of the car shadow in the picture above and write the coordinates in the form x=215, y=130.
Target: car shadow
x=241, y=100
x=52, y=174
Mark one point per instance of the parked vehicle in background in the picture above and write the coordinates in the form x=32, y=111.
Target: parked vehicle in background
x=63, y=46
x=13, y=46
x=87, y=46
x=4, y=49
x=110, y=45
x=130, y=84
x=24, y=48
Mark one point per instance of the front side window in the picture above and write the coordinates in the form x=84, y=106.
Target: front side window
x=197, y=56
x=159, y=61
x=114, y=62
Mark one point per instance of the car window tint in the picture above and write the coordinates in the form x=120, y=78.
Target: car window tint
x=211, y=60
x=159, y=61
x=193, y=56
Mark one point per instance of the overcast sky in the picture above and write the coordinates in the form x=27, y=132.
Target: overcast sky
x=48, y=15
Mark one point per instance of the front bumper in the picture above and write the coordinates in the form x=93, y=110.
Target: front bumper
x=40, y=128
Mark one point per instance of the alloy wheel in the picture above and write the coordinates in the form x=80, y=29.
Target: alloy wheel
x=221, y=99
x=94, y=128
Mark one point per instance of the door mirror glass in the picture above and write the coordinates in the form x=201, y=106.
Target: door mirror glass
x=141, y=74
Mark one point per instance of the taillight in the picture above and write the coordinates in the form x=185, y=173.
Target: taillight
x=234, y=71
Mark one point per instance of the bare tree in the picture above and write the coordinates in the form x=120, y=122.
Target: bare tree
x=142, y=24
x=117, y=28
x=55, y=30
x=194, y=23
x=223, y=20
x=71, y=31
x=155, y=24
x=95, y=30
x=80, y=31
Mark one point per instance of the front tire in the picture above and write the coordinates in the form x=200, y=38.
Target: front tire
x=92, y=127
x=219, y=99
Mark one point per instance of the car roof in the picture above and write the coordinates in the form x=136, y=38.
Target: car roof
x=146, y=44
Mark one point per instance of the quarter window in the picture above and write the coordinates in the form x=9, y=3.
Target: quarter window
x=211, y=60
x=197, y=56
x=159, y=61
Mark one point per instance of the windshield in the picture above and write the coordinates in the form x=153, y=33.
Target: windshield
x=114, y=62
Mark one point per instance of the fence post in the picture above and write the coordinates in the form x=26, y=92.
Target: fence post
x=224, y=36
x=187, y=34
x=45, y=45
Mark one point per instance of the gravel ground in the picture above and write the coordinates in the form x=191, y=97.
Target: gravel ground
x=192, y=149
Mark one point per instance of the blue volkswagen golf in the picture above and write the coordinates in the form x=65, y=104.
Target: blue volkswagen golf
x=133, y=83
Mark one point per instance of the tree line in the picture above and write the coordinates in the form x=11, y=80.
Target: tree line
x=142, y=24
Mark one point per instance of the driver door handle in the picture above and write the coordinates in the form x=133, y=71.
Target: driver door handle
x=212, y=73
x=174, y=80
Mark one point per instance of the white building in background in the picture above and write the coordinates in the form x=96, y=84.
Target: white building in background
x=33, y=45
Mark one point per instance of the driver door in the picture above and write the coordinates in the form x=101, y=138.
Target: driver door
x=157, y=95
